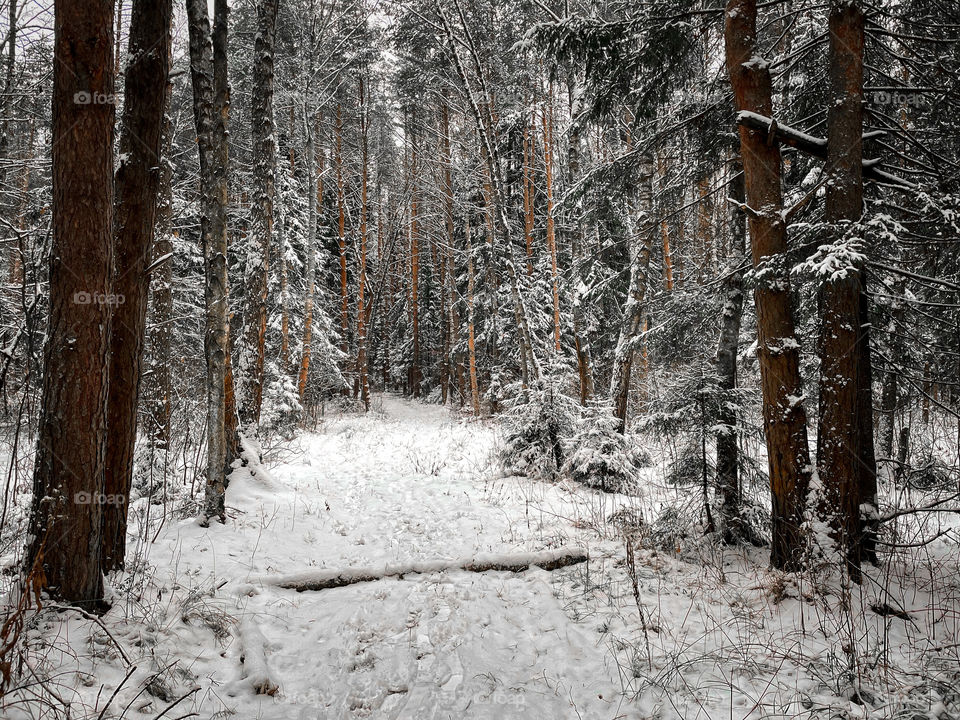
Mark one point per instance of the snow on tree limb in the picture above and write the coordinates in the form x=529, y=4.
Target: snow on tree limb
x=817, y=147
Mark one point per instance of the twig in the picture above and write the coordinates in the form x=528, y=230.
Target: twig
x=126, y=677
x=933, y=507
x=177, y=702
x=103, y=627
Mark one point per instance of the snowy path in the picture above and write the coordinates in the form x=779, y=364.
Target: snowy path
x=406, y=482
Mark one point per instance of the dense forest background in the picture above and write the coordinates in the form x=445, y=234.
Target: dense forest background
x=474, y=200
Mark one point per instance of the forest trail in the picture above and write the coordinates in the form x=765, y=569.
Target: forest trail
x=406, y=482
x=724, y=637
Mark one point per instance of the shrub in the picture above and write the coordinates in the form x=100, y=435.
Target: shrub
x=604, y=459
x=538, y=420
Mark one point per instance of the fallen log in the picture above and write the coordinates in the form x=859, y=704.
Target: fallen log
x=253, y=656
x=517, y=562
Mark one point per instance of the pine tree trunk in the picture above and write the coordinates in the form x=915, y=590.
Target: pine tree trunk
x=137, y=185
x=633, y=307
x=665, y=233
x=284, y=297
x=63, y=553
x=118, y=47
x=845, y=455
x=257, y=267
x=414, y=268
x=446, y=254
x=704, y=230
x=15, y=266
x=210, y=117
x=314, y=198
x=784, y=418
x=580, y=267
x=529, y=364
x=867, y=482
x=471, y=342
x=888, y=410
x=6, y=107
x=728, y=458
x=528, y=196
x=160, y=334
x=362, y=374
x=342, y=240
x=161, y=288
x=551, y=232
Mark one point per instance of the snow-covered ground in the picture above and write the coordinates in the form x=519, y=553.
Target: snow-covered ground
x=720, y=636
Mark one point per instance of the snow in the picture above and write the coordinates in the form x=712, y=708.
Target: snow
x=346, y=576
x=712, y=632
x=255, y=671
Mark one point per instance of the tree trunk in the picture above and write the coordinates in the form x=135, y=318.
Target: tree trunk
x=888, y=410
x=471, y=342
x=551, y=233
x=446, y=254
x=845, y=455
x=316, y=580
x=137, y=184
x=314, y=197
x=580, y=275
x=63, y=553
x=529, y=364
x=342, y=241
x=784, y=418
x=704, y=232
x=361, y=290
x=414, y=266
x=636, y=292
x=284, y=297
x=728, y=459
x=529, y=155
x=665, y=231
x=6, y=104
x=257, y=268
x=211, y=139
x=160, y=334
x=221, y=88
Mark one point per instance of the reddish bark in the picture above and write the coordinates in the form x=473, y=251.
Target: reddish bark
x=137, y=186
x=784, y=417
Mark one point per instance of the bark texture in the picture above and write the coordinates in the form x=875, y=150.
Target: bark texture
x=636, y=293
x=784, y=417
x=362, y=376
x=160, y=332
x=728, y=454
x=257, y=268
x=210, y=119
x=137, y=191
x=63, y=547
x=845, y=455
x=314, y=196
